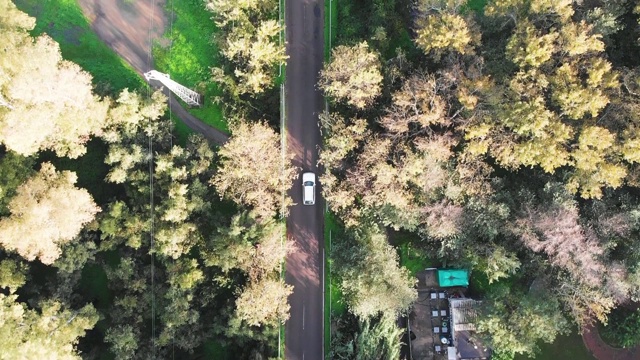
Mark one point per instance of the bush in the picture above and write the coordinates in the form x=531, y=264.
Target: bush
x=623, y=329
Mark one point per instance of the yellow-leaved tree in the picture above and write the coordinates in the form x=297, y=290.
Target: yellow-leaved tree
x=46, y=103
x=46, y=212
x=353, y=75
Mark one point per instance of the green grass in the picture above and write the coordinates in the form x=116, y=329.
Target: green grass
x=333, y=304
x=93, y=282
x=215, y=351
x=413, y=259
x=64, y=21
x=476, y=5
x=330, y=18
x=189, y=59
x=564, y=347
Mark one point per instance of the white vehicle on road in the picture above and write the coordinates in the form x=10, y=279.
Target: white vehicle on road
x=308, y=188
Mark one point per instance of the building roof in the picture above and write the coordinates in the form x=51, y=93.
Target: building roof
x=463, y=317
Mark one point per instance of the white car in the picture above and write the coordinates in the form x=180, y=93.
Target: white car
x=308, y=188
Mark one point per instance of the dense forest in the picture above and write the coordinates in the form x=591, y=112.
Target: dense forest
x=499, y=137
x=496, y=136
x=173, y=248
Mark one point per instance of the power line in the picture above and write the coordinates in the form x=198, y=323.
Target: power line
x=151, y=202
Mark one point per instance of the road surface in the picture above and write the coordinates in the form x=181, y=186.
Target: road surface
x=129, y=30
x=304, y=268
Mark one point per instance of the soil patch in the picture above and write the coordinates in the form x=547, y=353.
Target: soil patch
x=128, y=28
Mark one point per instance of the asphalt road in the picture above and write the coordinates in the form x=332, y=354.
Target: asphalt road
x=304, y=268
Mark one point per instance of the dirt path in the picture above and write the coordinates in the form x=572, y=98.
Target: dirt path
x=602, y=351
x=129, y=29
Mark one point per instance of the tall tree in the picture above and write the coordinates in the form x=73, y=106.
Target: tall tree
x=47, y=211
x=45, y=102
x=48, y=333
x=252, y=170
x=353, y=75
x=544, y=113
x=370, y=277
x=251, y=43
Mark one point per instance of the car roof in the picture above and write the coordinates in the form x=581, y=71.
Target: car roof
x=309, y=176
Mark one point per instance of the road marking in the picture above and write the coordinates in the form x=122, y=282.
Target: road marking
x=303, y=308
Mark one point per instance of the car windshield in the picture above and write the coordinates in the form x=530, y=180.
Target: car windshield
x=308, y=183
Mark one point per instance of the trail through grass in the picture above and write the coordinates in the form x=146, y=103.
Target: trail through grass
x=64, y=21
x=190, y=56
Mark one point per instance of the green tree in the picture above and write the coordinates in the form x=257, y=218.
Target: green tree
x=250, y=42
x=370, y=277
x=353, y=75
x=14, y=170
x=51, y=332
x=442, y=32
x=517, y=322
x=13, y=274
x=264, y=302
x=623, y=329
x=373, y=339
x=543, y=113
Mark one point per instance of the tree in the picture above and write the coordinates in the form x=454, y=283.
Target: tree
x=441, y=32
x=623, y=329
x=252, y=171
x=370, y=277
x=264, y=302
x=543, y=112
x=251, y=42
x=257, y=53
x=553, y=227
x=377, y=338
x=50, y=333
x=353, y=75
x=13, y=274
x=123, y=340
x=516, y=322
x=14, y=170
x=47, y=211
x=48, y=101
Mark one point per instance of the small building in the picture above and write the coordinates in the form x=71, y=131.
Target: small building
x=466, y=345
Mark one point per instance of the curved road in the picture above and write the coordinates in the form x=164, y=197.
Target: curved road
x=304, y=333
x=129, y=29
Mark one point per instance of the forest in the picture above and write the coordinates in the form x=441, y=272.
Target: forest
x=497, y=136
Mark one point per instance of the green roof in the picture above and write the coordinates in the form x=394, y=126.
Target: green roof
x=453, y=277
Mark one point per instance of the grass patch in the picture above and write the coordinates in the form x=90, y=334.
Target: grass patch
x=190, y=56
x=413, y=259
x=215, y=351
x=334, y=307
x=564, y=347
x=330, y=25
x=476, y=5
x=64, y=21
x=94, y=283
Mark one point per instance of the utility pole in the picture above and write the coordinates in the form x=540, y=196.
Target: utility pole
x=187, y=95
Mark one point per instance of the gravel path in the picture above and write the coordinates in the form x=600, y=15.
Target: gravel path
x=130, y=29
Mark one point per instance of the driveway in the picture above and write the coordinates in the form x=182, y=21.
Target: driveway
x=304, y=268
